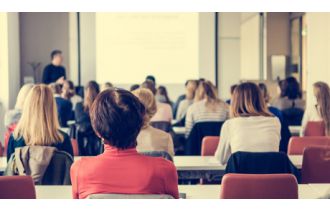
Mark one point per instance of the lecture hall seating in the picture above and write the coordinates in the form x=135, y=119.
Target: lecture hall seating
x=17, y=187
x=209, y=145
x=315, y=128
x=298, y=144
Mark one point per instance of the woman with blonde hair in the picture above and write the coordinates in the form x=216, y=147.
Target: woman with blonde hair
x=321, y=110
x=149, y=138
x=39, y=123
x=252, y=128
x=208, y=108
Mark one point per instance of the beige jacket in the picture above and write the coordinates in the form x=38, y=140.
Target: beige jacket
x=153, y=139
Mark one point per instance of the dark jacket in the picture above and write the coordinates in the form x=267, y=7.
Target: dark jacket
x=52, y=73
x=198, y=132
x=83, y=121
x=64, y=110
x=261, y=163
x=15, y=143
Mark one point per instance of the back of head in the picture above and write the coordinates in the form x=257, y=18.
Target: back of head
x=106, y=86
x=55, y=87
x=150, y=85
x=148, y=100
x=39, y=123
x=151, y=78
x=292, y=90
x=248, y=101
x=191, y=87
x=264, y=91
x=68, y=89
x=206, y=90
x=117, y=117
x=22, y=94
x=92, y=90
x=322, y=94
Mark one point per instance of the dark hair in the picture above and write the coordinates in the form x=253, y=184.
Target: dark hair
x=150, y=85
x=55, y=87
x=264, y=91
x=151, y=78
x=134, y=87
x=162, y=91
x=282, y=84
x=117, y=117
x=54, y=53
x=232, y=88
x=92, y=90
x=293, y=90
x=71, y=92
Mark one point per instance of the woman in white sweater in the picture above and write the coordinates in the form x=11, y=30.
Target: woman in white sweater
x=252, y=128
x=321, y=110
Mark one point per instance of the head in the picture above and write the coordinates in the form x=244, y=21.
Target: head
x=39, y=123
x=232, y=88
x=162, y=95
x=56, y=57
x=282, y=85
x=68, y=89
x=292, y=90
x=117, y=117
x=134, y=87
x=247, y=101
x=55, y=88
x=322, y=95
x=92, y=89
x=151, y=78
x=206, y=90
x=191, y=86
x=148, y=100
x=150, y=85
x=106, y=86
x=22, y=94
x=264, y=92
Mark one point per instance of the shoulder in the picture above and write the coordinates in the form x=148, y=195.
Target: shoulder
x=49, y=66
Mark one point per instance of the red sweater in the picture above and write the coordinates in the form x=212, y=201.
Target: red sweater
x=123, y=172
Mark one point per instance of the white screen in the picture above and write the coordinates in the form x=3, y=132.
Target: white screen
x=130, y=46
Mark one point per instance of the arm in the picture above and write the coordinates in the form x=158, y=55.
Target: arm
x=223, y=151
x=170, y=146
x=45, y=76
x=74, y=178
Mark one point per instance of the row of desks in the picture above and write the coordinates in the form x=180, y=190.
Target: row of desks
x=306, y=191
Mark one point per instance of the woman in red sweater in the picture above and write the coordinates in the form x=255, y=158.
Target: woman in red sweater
x=117, y=118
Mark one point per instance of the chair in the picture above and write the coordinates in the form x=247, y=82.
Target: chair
x=75, y=147
x=209, y=145
x=259, y=186
x=199, y=131
x=129, y=196
x=162, y=154
x=316, y=165
x=298, y=144
x=17, y=187
x=315, y=128
x=162, y=125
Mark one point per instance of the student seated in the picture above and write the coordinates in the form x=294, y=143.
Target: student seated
x=252, y=127
x=39, y=124
x=117, y=117
x=69, y=93
x=321, y=110
x=184, y=104
x=149, y=138
x=162, y=96
x=232, y=88
x=208, y=108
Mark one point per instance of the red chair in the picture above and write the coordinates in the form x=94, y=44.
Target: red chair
x=75, y=147
x=315, y=128
x=17, y=187
x=209, y=145
x=316, y=165
x=259, y=186
x=298, y=144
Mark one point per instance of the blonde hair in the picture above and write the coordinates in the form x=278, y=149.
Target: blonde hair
x=22, y=94
x=322, y=94
x=247, y=101
x=39, y=123
x=148, y=100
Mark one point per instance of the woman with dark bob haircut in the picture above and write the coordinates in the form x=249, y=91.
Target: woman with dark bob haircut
x=117, y=118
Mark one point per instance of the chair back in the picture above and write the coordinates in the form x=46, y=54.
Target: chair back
x=75, y=147
x=17, y=187
x=162, y=125
x=315, y=128
x=129, y=196
x=316, y=165
x=209, y=145
x=259, y=186
x=293, y=116
x=298, y=144
x=199, y=131
x=162, y=154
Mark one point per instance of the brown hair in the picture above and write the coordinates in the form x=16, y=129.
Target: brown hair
x=206, y=90
x=248, y=101
x=322, y=94
x=92, y=90
x=148, y=100
x=264, y=91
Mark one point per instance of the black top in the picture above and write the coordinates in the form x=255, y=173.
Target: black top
x=82, y=118
x=52, y=73
x=64, y=111
x=15, y=143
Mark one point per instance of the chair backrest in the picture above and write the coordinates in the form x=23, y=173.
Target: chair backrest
x=315, y=128
x=293, y=116
x=209, y=145
x=298, y=144
x=316, y=165
x=259, y=186
x=199, y=131
x=162, y=154
x=75, y=147
x=17, y=187
x=129, y=196
x=162, y=125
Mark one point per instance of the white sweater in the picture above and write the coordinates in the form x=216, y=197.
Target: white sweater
x=248, y=134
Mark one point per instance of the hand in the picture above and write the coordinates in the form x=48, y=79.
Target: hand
x=60, y=80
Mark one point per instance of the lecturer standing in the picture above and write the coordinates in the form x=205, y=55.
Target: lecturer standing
x=54, y=72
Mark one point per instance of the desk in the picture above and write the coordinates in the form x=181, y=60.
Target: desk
x=295, y=130
x=321, y=189
x=179, y=130
x=192, y=191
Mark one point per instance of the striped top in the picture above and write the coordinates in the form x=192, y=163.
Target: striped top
x=199, y=112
